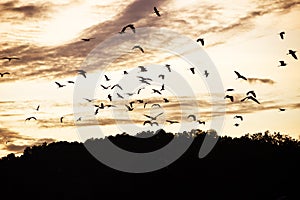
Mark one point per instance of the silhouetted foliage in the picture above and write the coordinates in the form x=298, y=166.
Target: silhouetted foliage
x=258, y=166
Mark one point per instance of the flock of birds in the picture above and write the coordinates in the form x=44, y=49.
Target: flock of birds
x=152, y=120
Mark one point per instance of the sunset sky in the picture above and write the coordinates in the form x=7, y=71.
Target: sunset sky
x=239, y=36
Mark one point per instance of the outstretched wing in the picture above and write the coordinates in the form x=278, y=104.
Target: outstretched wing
x=192, y=116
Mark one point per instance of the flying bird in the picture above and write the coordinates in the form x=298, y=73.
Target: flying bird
x=192, y=116
x=156, y=11
x=59, y=85
x=131, y=26
x=120, y=96
x=282, y=64
x=138, y=47
x=129, y=94
x=82, y=72
x=239, y=117
x=156, y=91
x=145, y=104
x=37, y=108
x=131, y=104
x=282, y=35
x=89, y=100
x=139, y=90
x=240, y=76
x=236, y=124
x=172, y=122
x=96, y=111
x=140, y=101
x=151, y=123
x=201, y=122
x=106, y=78
x=143, y=69
x=71, y=82
x=2, y=74
x=9, y=58
x=192, y=70
x=100, y=107
x=168, y=67
x=161, y=76
x=201, y=40
x=129, y=108
x=293, y=53
x=61, y=119
x=117, y=85
x=251, y=93
x=281, y=109
x=143, y=78
x=79, y=119
x=29, y=118
x=155, y=117
x=109, y=97
x=162, y=87
x=229, y=97
x=146, y=82
x=251, y=98
x=125, y=72
x=206, y=73
x=229, y=90
x=166, y=100
x=105, y=87
x=87, y=39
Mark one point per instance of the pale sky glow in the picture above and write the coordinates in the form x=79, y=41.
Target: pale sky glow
x=239, y=35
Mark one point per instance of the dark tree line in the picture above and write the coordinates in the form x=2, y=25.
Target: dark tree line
x=259, y=166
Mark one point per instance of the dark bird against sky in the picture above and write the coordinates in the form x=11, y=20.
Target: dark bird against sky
x=156, y=11
x=138, y=47
x=131, y=26
x=293, y=53
x=240, y=76
x=5, y=73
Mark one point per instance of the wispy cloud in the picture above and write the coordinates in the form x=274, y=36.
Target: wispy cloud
x=261, y=80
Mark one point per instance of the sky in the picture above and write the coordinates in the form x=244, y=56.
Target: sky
x=240, y=36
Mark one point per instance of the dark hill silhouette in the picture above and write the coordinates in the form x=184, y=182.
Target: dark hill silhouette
x=259, y=166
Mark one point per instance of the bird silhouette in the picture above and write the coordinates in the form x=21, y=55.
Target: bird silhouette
x=131, y=104
x=282, y=109
x=166, y=100
x=130, y=94
x=116, y=85
x=10, y=58
x=201, y=40
x=61, y=119
x=142, y=68
x=143, y=78
x=145, y=104
x=129, y=108
x=192, y=116
x=282, y=64
x=236, y=124
x=146, y=82
x=37, y=108
x=79, y=119
x=229, y=97
x=106, y=78
x=140, y=101
x=59, y=85
x=151, y=123
x=239, y=117
x=71, y=82
x=201, y=122
x=293, y=53
x=89, y=100
x=101, y=106
x=139, y=90
x=125, y=72
x=138, y=47
x=172, y=121
x=29, y=118
x=96, y=111
x=109, y=97
x=206, y=73
x=105, y=87
x=120, y=96
x=192, y=70
x=82, y=72
x=282, y=35
x=155, y=117
x=87, y=39
x=251, y=98
x=251, y=93
x=162, y=87
x=161, y=76
x=168, y=67
x=229, y=90
x=156, y=91
x=156, y=11
x=240, y=76
x=131, y=26
x=2, y=74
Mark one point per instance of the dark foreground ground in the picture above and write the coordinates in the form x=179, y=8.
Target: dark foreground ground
x=260, y=166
